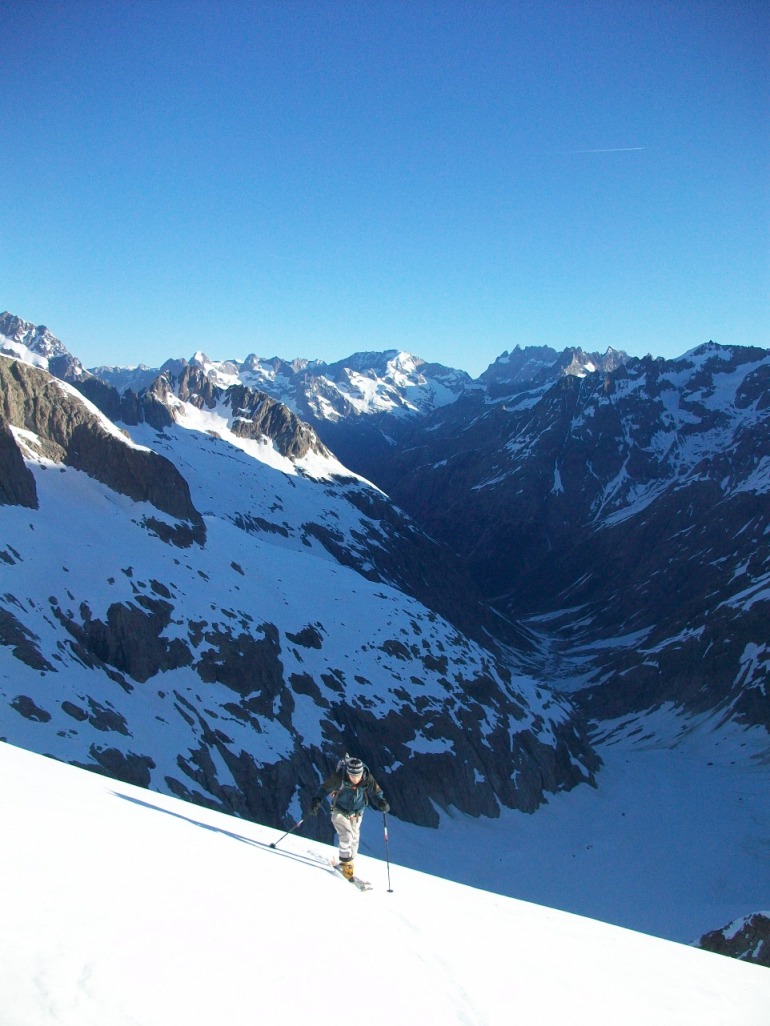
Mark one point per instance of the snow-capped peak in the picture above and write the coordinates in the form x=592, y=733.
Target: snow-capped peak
x=37, y=346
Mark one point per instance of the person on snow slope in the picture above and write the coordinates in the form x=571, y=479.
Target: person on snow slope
x=351, y=787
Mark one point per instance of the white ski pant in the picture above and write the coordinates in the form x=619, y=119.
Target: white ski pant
x=349, y=832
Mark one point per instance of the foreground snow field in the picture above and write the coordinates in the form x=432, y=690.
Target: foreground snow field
x=123, y=907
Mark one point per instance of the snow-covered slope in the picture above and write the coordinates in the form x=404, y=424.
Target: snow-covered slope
x=232, y=660
x=134, y=909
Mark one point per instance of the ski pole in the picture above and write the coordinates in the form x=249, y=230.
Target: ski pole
x=289, y=831
x=387, y=849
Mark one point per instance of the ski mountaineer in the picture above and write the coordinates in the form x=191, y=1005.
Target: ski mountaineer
x=352, y=788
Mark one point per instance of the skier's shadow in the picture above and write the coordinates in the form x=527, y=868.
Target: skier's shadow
x=308, y=859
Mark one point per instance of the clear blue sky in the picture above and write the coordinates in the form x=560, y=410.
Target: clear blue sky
x=449, y=178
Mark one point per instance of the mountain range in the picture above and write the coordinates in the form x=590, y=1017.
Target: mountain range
x=218, y=575
x=236, y=605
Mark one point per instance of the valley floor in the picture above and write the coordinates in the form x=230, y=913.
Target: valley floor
x=674, y=841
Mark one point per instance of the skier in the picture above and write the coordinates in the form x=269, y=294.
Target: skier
x=352, y=787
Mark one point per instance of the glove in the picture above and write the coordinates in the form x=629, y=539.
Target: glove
x=382, y=805
x=315, y=805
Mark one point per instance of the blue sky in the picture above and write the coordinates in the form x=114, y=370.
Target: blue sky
x=453, y=179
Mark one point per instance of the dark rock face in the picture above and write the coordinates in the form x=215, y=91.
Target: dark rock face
x=21, y=641
x=308, y=637
x=260, y=416
x=747, y=939
x=73, y=435
x=130, y=639
x=26, y=707
x=17, y=484
x=248, y=665
x=128, y=767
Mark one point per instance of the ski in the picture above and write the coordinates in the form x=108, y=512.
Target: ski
x=362, y=885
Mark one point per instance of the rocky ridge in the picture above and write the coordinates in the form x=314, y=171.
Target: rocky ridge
x=47, y=420
x=38, y=346
x=747, y=938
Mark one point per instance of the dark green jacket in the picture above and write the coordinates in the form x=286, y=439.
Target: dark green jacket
x=348, y=797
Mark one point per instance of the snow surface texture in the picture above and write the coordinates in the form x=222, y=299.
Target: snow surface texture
x=135, y=909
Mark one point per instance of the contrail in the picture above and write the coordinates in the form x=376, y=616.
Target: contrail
x=613, y=149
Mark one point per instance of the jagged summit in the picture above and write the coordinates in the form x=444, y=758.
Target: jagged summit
x=35, y=338
x=37, y=345
x=534, y=365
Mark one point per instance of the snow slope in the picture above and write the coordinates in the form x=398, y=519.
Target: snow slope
x=129, y=908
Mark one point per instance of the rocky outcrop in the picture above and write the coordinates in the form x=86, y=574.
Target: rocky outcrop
x=256, y=415
x=21, y=641
x=130, y=638
x=36, y=339
x=19, y=338
x=253, y=414
x=126, y=766
x=747, y=938
x=72, y=434
x=17, y=484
